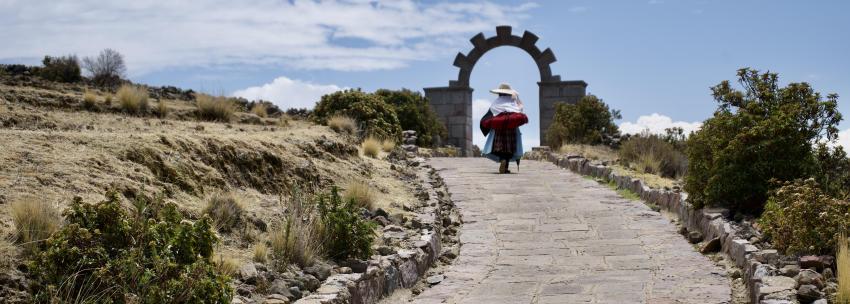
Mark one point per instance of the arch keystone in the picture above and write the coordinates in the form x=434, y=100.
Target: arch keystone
x=528, y=41
x=504, y=32
x=546, y=58
x=480, y=42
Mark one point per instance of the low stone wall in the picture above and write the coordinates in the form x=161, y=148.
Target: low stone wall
x=384, y=274
x=763, y=287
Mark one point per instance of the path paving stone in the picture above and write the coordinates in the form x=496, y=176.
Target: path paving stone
x=547, y=235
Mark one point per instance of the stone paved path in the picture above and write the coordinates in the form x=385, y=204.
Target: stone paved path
x=546, y=235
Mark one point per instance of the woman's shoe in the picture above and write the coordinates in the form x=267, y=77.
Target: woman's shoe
x=503, y=166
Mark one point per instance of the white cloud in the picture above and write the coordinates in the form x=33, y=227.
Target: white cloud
x=844, y=139
x=306, y=34
x=288, y=93
x=656, y=123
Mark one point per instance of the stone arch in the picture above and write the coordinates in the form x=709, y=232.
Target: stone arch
x=453, y=104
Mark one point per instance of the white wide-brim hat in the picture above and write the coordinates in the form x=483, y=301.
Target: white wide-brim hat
x=504, y=88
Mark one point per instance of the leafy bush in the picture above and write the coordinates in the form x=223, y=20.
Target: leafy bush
x=343, y=124
x=61, y=69
x=105, y=253
x=361, y=194
x=347, y=234
x=35, y=221
x=800, y=218
x=107, y=68
x=378, y=118
x=585, y=122
x=225, y=210
x=415, y=113
x=833, y=171
x=761, y=133
x=133, y=99
x=299, y=239
x=217, y=108
x=650, y=153
x=371, y=146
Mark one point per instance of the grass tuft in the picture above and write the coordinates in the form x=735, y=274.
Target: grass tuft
x=371, y=147
x=343, y=124
x=35, y=221
x=162, y=108
x=226, y=265
x=298, y=239
x=388, y=145
x=226, y=211
x=215, y=108
x=593, y=152
x=132, y=99
x=89, y=100
x=261, y=252
x=361, y=193
x=260, y=109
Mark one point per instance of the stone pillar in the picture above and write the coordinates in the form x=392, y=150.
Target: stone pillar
x=454, y=108
x=553, y=92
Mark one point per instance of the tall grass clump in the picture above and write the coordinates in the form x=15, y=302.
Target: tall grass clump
x=343, y=124
x=298, y=240
x=162, y=108
x=371, y=146
x=215, y=108
x=260, y=109
x=650, y=153
x=388, y=145
x=226, y=210
x=132, y=99
x=361, y=194
x=842, y=258
x=226, y=265
x=261, y=252
x=89, y=100
x=35, y=221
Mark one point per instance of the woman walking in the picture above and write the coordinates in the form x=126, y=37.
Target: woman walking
x=501, y=126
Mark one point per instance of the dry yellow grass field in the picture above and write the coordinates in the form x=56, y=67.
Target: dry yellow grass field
x=604, y=153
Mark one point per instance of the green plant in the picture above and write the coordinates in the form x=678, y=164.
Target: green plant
x=415, y=113
x=761, y=133
x=215, y=108
x=371, y=146
x=226, y=211
x=105, y=253
x=650, y=153
x=361, y=194
x=833, y=171
x=343, y=124
x=133, y=99
x=378, y=118
x=61, y=69
x=35, y=221
x=585, y=122
x=799, y=218
x=347, y=233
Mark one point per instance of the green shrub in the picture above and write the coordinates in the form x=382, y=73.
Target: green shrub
x=650, y=153
x=415, y=113
x=216, y=108
x=833, y=171
x=61, y=69
x=347, y=233
x=378, y=118
x=585, y=122
x=105, y=253
x=799, y=218
x=133, y=99
x=756, y=135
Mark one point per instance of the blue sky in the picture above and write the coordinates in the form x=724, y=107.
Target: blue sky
x=642, y=57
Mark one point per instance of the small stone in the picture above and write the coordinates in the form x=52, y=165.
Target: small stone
x=735, y=273
x=386, y=250
x=383, y=221
x=808, y=293
x=381, y=212
x=821, y=301
x=393, y=228
x=357, y=266
x=344, y=270
x=694, y=237
x=280, y=287
x=810, y=277
x=249, y=273
x=310, y=282
x=767, y=256
x=809, y=261
x=296, y=292
x=319, y=270
x=683, y=230
x=711, y=246
x=435, y=279
x=276, y=299
x=789, y=270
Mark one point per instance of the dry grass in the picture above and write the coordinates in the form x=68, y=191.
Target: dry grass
x=388, y=145
x=226, y=210
x=215, y=108
x=8, y=252
x=298, y=239
x=132, y=99
x=361, y=193
x=260, y=109
x=843, y=266
x=108, y=100
x=371, y=147
x=601, y=153
x=261, y=252
x=226, y=265
x=162, y=108
x=343, y=124
x=34, y=221
x=647, y=163
x=89, y=100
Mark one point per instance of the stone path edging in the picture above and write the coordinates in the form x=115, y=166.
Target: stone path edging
x=709, y=221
